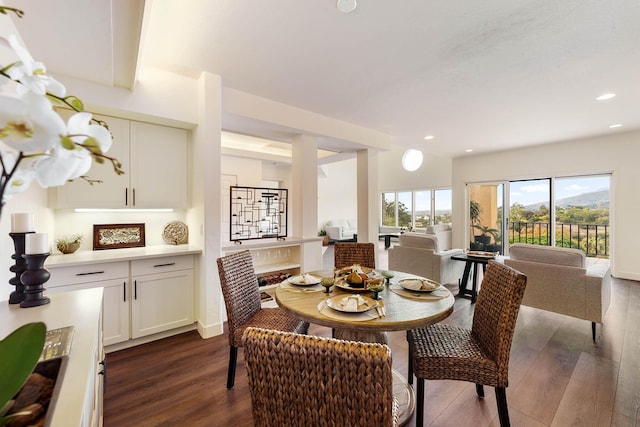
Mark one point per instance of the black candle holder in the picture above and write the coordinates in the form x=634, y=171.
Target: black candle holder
x=33, y=279
x=18, y=268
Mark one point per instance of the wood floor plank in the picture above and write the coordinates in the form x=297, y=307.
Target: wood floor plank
x=588, y=399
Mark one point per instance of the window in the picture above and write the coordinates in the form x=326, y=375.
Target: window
x=388, y=216
x=415, y=209
x=442, y=203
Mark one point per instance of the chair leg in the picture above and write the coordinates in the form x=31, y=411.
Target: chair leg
x=231, y=373
x=420, y=399
x=410, y=368
x=593, y=331
x=503, y=410
x=479, y=390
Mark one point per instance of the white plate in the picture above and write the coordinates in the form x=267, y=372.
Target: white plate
x=337, y=303
x=426, y=285
x=304, y=280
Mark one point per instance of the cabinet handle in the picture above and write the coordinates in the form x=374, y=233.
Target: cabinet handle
x=134, y=196
x=124, y=291
x=126, y=196
x=103, y=372
x=135, y=289
x=90, y=273
x=165, y=265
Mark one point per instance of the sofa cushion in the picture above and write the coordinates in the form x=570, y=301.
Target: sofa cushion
x=546, y=254
x=443, y=233
x=434, y=229
x=419, y=240
x=339, y=223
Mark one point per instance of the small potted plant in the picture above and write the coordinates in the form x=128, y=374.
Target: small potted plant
x=325, y=238
x=69, y=245
x=486, y=234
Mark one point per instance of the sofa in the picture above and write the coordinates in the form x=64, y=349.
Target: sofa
x=427, y=255
x=341, y=229
x=559, y=280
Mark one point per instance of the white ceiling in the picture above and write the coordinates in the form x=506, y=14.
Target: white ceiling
x=483, y=75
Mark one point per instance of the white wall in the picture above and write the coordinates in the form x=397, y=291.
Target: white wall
x=435, y=172
x=68, y=223
x=337, y=192
x=617, y=154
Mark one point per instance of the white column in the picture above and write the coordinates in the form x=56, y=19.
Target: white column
x=367, y=177
x=304, y=192
x=204, y=216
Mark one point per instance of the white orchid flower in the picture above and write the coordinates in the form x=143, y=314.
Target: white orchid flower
x=55, y=169
x=32, y=74
x=29, y=123
x=80, y=124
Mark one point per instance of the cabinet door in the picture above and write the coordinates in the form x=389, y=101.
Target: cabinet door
x=158, y=166
x=115, y=307
x=110, y=191
x=116, y=312
x=161, y=302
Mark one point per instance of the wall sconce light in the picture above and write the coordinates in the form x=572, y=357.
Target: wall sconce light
x=411, y=160
x=347, y=6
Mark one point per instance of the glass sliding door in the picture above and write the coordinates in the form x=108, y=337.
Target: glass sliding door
x=486, y=217
x=529, y=212
x=582, y=214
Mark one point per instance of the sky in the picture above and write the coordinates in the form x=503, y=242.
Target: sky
x=529, y=192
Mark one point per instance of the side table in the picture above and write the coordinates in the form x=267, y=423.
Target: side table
x=471, y=262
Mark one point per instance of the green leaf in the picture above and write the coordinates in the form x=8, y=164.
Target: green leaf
x=19, y=353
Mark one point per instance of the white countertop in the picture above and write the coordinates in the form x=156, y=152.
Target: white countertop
x=114, y=255
x=82, y=310
x=268, y=243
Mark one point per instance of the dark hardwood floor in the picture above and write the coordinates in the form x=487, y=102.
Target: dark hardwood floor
x=558, y=376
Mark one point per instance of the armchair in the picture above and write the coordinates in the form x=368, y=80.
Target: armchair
x=423, y=255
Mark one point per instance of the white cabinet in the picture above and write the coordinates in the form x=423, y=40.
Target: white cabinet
x=141, y=297
x=114, y=278
x=158, y=166
x=162, y=294
x=154, y=159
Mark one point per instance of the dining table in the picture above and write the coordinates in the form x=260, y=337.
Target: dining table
x=395, y=309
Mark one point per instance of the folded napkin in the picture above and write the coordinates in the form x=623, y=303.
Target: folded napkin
x=413, y=284
x=352, y=302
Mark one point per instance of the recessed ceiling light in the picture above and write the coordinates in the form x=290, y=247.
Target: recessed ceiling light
x=617, y=125
x=468, y=150
x=428, y=137
x=605, y=96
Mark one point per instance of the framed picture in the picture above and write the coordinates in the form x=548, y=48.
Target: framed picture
x=117, y=236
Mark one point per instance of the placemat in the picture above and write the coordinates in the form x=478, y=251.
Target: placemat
x=352, y=317
x=293, y=288
x=420, y=296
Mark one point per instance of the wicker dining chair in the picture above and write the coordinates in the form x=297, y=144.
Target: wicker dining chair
x=346, y=254
x=303, y=380
x=242, y=300
x=479, y=355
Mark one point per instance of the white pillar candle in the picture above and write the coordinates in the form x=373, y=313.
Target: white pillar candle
x=22, y=223
x=36, y=243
